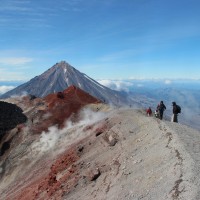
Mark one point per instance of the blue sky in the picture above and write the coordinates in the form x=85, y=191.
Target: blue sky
x=105, y=39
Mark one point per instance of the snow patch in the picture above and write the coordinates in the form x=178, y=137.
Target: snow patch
x=67, y=80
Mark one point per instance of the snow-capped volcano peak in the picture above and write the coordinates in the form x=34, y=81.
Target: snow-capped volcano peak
x=59, y=77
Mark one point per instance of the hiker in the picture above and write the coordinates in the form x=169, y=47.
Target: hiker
x=149, y=111
x=176, y=110
x=161, y=107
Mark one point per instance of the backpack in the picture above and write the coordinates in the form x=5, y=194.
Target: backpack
x=178, y=109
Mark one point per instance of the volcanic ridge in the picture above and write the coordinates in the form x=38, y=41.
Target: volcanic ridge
x=74, y=146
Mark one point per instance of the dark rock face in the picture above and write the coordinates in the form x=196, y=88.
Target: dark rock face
x=11, y=115
x=5, y=146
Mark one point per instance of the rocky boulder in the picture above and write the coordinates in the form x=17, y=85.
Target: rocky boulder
x=11, y=116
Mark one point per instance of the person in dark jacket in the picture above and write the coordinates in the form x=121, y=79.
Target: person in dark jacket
x=175, y=112
x=161, y=108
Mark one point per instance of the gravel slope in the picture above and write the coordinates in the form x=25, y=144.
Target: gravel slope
x=124, y=155
x=152, y=159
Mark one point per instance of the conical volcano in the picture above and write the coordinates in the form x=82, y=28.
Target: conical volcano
x=61, y=76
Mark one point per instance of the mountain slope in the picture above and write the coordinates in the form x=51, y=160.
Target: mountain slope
x=61, y=76
x=124, y=155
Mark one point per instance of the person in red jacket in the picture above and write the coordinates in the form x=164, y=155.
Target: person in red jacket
x=149, y=111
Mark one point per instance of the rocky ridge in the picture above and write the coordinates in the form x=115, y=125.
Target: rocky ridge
x=123, y=155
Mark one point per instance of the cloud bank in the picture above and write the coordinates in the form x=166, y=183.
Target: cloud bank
x=4, y=89
x=15, y=60
x=167, y=82
x=116, y=84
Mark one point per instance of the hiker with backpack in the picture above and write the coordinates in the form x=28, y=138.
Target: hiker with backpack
x=161, y=108
x=176, y=110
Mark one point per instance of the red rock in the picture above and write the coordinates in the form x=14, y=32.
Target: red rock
x=51, y=178
x=60, y=109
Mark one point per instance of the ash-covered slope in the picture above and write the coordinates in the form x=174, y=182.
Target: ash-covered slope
x=61, y=76
x=121, y=155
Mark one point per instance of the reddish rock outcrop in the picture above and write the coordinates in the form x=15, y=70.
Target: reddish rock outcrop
x=47, y=178
x=61, y=106
x=58, y=180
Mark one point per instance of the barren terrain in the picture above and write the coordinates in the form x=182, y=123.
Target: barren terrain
x=120, y=154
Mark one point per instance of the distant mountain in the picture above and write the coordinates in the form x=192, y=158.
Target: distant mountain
x=61, y=76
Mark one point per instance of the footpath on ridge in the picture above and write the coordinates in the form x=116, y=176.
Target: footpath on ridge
x=123, y=155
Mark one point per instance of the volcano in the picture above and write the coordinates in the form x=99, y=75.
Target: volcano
x=62, y=75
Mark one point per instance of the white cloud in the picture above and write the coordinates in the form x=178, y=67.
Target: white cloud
x=118, y=85
x=119, y=55
x=14, y=5
x=4, y=89
x=15, y=60
x=140, y=85
x=13, y=75
x=168, y=82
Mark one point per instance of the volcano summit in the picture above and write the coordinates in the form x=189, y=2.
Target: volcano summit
x=61, y=76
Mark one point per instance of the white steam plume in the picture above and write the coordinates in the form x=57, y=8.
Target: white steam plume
x=23, y=94
x=56, y=138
